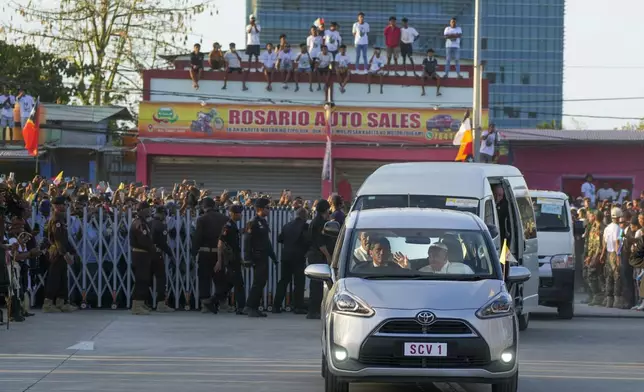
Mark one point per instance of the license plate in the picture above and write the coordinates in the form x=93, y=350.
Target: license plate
x=425, y=349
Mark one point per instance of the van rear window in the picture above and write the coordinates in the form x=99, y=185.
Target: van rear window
x=418, y=201
x=551, y=214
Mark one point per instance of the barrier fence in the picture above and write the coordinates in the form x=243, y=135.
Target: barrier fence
x=102, y=277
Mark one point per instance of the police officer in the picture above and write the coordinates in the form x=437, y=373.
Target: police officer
x=229, y=261
x=160, y=238
x=295, y=241
x=143, y=251
x=318, y=254
x=205, y=244
x=60, y=254
x=257, y=250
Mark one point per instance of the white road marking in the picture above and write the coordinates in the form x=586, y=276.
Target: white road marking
x=82, y=346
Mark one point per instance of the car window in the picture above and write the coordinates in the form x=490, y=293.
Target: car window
x=526, y=213
x=419, y=201
x=550, y=214
x=431, y=254
x=489, y=213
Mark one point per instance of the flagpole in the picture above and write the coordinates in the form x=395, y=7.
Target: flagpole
x=477, y=79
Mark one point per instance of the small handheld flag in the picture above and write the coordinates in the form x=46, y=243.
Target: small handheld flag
x=31, y=130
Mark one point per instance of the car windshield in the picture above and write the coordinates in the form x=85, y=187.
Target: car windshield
x=418, y=201
x=551, y=214
x=421, y=254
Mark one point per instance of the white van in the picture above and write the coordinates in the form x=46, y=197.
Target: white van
x=555, y=234
x=465, y=187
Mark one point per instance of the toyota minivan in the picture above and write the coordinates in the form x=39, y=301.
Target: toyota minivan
x=417, y=295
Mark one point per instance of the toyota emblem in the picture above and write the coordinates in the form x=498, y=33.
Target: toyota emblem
x=425, y=318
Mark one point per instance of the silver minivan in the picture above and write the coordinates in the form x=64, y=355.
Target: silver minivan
x=417, y=295
x=489, y=191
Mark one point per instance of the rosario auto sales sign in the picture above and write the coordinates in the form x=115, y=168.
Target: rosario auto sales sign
x=299, y=123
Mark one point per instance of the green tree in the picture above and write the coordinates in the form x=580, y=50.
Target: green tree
x=550, y=125
x=638, y=126
x=41, y=74
x=109, y=41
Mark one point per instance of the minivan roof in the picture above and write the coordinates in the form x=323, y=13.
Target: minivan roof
x=549, y=194
x=435, y=179
x=413, y=218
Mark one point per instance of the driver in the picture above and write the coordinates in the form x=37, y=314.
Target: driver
x=439, y=263
x=382, y=259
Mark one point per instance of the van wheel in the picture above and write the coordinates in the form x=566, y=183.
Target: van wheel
x=524, y=321
x=509, y=385
x=566, y=311
x=333, y=384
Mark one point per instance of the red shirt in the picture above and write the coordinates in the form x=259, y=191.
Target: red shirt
x=392, y=36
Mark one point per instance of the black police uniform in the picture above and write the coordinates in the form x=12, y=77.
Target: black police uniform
x=160, y=238
x=143, y=250
x=257, y=250
x=315, y=256
x=204, y=243
x=59, y=246
x=234, y=279
x=295, y=245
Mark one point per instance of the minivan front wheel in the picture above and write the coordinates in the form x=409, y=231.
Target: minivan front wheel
x=333, y=384
x=509, y=385
x=524, y=321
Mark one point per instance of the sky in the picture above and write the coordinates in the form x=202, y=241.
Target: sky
x=602, y=59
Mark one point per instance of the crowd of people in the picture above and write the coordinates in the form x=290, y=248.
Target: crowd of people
x=324, y=54
x=613, y=246
x=215, y=239
x=22, y=102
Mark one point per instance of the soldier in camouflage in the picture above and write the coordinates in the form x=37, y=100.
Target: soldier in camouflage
x=593, y=264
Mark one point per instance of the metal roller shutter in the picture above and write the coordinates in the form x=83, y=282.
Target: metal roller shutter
x=269, y=176
x=356, y=171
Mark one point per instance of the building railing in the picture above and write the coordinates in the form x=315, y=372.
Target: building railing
x=103, y=277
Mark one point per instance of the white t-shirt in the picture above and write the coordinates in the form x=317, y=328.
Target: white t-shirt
x=605, y=194
x=361, y=33
x=377, y=63
x=332, y=39
x=286, y=58
x=7, y=108
x=485, y=149
x=452, y=43
x=268, y=59
x=588, y=190
x=305, y=61
x=313, y=43
x=26, y=105
x=408, y=35
x=342, y=60
x=232, y=60
x=325, y=60
x=450, y=268
x=611, y=235
x=252, y=34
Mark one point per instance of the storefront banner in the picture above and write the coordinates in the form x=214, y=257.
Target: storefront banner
x=299, y=123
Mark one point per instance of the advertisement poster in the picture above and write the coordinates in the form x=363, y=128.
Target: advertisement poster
x=299, y=123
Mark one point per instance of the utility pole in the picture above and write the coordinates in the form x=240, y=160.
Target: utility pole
x=477, y=111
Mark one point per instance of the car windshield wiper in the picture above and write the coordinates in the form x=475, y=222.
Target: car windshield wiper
x=412, y=277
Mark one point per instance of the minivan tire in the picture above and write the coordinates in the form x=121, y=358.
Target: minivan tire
x=509, y=385
x=324, y=366
x=524, y=321
x=566, y=311
x=333, y=384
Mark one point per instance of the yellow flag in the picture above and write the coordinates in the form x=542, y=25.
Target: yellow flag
x=504, y=252
x=59, y=178
x=121, y=187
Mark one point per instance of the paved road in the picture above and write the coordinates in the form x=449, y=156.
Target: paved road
x=192, y=352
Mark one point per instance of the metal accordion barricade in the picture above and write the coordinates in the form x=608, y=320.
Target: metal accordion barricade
x=102, y=276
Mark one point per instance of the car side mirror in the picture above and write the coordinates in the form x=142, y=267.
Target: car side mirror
x=319, y=272
x=518, y=274
x=331, y=229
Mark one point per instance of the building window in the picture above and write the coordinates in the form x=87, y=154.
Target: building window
x=511, y=112
x=502, y=72
x=483, y=43
x=525, y=78
x=491, y=77
x=532, y=114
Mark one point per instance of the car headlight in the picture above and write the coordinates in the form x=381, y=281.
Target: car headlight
x=500, y=305
x=562, y=261
x=349, y=304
